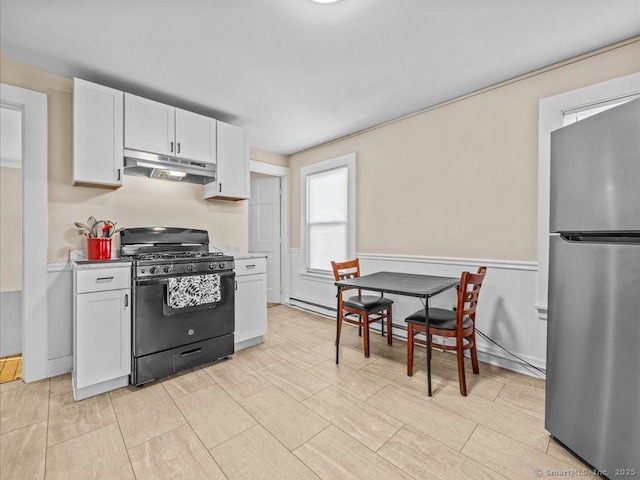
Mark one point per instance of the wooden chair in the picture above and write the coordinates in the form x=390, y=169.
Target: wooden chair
x=362, y=310
x=458, y=324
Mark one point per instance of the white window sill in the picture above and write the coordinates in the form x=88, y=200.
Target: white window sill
x=317, y=277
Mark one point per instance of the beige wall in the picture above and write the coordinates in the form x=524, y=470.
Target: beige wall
x=269, y=157
x=140, y=202
x=10, y=229
x=459, y=180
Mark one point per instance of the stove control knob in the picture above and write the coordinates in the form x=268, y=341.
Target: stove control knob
x=212, y=266
x=221, y=265
x=167, y=269
x=190, y=267
x=153, y=270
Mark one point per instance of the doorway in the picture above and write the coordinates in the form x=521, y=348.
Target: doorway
x=10, y=243
x=264, y=228
x=31, y=109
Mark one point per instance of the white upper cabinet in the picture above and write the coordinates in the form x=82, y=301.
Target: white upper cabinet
x=149, y=126
x=195, y=137
x=98, y=156
x=154, y=127
x=232, y=182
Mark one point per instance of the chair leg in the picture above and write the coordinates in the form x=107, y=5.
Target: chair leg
x=389, y=327
x=410, y=350
x=461, y=376
x=365, y=327
x=430, y=342
x=360, y=326
x=474, y=355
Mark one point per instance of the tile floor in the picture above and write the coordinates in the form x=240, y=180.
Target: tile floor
x=284, y=410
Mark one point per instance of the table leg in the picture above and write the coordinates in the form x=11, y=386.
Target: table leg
x=338, y=324
x=426, y=317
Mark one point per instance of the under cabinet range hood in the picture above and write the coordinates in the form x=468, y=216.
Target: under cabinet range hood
x=143, y=164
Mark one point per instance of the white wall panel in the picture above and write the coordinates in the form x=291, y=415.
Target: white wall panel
x=60, y=317
x=506, y=311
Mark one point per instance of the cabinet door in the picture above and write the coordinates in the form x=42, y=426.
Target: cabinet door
x=103, y=336
x=233, y=163
x=148, y=126
x=195, y=137
x=98, y=156
x=251, y=307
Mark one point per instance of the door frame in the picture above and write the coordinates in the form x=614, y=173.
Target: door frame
x=34, y=227
x=551, y=113
x=283, y=173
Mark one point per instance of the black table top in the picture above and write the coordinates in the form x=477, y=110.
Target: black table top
x=409, y=284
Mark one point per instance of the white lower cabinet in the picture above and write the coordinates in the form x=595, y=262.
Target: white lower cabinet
x=250, y=302
x=102, y=329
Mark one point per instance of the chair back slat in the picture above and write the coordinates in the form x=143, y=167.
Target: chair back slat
x=468, y=294
x=346, y=270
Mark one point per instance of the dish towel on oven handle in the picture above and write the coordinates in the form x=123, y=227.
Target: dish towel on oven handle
x=191, y=291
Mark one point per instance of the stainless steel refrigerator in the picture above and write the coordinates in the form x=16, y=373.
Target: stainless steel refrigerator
x=593, y=336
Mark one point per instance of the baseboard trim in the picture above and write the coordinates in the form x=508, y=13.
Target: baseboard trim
x=59, y=366
x=251, y=342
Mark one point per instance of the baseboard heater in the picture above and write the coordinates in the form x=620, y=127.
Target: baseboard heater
x=313, y=307
x=323, y=310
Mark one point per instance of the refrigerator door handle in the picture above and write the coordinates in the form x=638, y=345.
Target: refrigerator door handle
x=617, y=238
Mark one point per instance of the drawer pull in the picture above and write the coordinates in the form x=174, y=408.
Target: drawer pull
x=104, y=279
x=190, y=352
x=249, y=267
x=126, y=300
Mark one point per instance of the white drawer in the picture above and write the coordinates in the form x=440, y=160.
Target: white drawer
x=101, y=279
x=250, y=266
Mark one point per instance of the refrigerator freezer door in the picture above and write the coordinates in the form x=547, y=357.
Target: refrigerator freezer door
x=595, y=173
x=593, y=352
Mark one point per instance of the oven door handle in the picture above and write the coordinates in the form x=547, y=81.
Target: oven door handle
x=152, y=281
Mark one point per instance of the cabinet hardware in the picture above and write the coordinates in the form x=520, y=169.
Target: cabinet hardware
x=220, y=188
x=250, y=267
x=235, y=285
x=190, y=352
x=178, y=147
x=118, y=172
x=126, y=300
x=104, y=279
x=171, y=147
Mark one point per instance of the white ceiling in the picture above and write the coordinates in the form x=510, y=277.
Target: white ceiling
x=298, y=73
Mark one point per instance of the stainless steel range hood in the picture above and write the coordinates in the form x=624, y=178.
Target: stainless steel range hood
x=143, y=164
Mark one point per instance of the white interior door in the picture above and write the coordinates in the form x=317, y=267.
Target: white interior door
x=264, y=228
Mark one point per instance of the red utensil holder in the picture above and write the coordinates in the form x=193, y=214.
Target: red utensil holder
x=99, y=248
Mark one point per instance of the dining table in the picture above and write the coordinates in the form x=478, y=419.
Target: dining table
x=397, y=283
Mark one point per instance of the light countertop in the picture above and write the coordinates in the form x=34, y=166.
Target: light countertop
x=79, y=257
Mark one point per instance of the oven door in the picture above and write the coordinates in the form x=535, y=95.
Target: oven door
x=157, y=327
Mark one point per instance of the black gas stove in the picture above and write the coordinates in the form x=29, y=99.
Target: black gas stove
x=179, y=263
x=183, y=300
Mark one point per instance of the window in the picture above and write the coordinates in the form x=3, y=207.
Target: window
x=577, y=114
x=328, y=206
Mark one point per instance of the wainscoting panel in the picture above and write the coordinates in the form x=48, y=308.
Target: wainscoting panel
x=10, y=323
x=60, y=317
x=506, y=312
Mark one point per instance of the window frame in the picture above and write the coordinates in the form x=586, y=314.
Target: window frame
x=348, y=161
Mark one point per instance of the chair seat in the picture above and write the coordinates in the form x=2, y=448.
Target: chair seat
x=367, y=302
x=439, y=318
